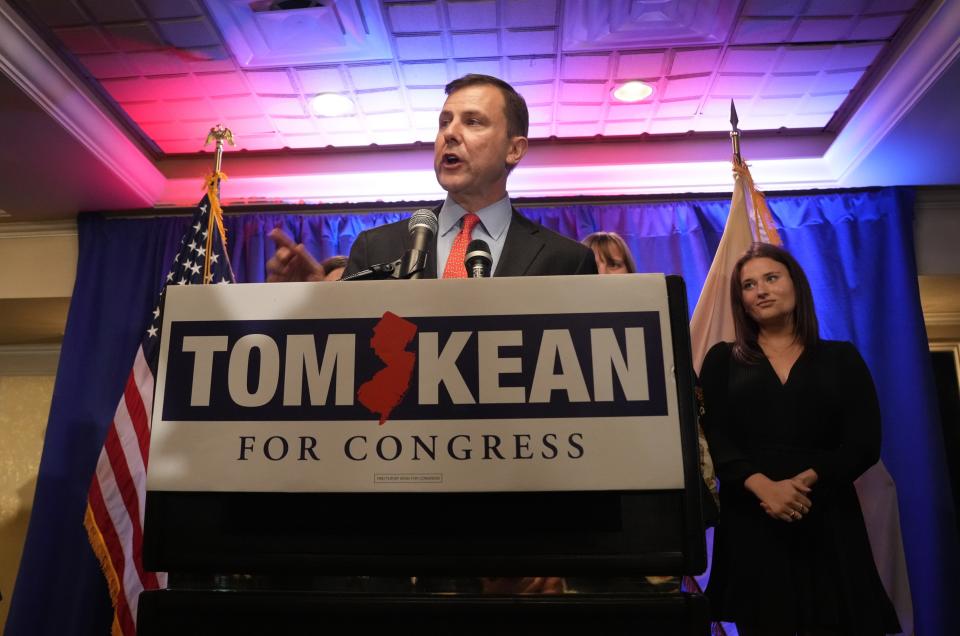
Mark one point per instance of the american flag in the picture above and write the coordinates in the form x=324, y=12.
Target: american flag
x=115, y=502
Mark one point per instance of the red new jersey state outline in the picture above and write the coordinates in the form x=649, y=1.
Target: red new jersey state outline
x=386, y=389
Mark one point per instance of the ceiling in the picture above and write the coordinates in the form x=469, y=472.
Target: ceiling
x=133, y=86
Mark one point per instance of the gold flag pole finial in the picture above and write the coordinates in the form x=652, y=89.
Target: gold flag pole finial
x=218, y=133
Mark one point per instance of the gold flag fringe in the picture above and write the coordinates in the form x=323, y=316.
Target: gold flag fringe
x=764, y=229
x=212, y=186
x=106, y=564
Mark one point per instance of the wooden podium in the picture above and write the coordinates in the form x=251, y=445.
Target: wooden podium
x=357, y=456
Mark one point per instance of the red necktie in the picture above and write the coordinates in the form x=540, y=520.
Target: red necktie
x=455, y=267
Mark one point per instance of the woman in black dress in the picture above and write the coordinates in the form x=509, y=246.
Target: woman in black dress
x=792, y=421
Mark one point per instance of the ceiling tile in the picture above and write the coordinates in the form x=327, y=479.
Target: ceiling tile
x=244, y=127
x=670, y=126
x=282, y=106
x=748, y=59
x=529, y=13
x=129, y=89
x=762, y=30
x=737, y=85
x=171, y=8
x=853, y=56
x=530, y=42
x=682, y=108
x=113, y=10
x=815, y=120
x=426, y=99
x=625, y=128
x=260, y=142
x=137, y=36
x=803, y=59
x=270, y=82
x=425, y=120
x=425, y=73
x=294, y=125
x=822, y=103
x=344, y=124
x=207, y=59
x=188, y=32
x=837, y=82
x=791, y=84
x=57, y=13
x=531, y=69
x=236, y=106
x=180, y=146
x=163, y=62
x=774, y=106
x=373, y=76
x=223, y=83
x=86, y=39
x=197, y=108
x=640, y=110
x=483, y=67
x=822, y=29
x=167, y=86
x=876, y=27
x=585, y=67
x=389, y=121
x=719, y=107
x=773, y=7
x=414, y=18
x=148, y=112
x=583, y=91
x=160, y=132
x=692, y=61
x=541, y=114
x=887, y=6
x=314, y=140
x=541, y=131
x=484, y=44
x=108, y=65
x=321, y=80
x=640, y=65
x=472, y=14
x=579, y=113
x=687, y=87
x=536, y=93
x=832, y=7
x=577, y=130
x=380, y=101
x=420, y=47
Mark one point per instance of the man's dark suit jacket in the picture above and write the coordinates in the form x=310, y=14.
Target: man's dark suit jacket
x=529, y=250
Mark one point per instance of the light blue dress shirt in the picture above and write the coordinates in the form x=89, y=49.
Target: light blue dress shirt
x=492, y=228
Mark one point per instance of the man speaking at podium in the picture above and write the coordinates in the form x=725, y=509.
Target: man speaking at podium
x=482, y=136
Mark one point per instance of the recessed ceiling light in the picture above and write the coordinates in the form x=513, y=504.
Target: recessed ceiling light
x=633, y=91
x=331, y=105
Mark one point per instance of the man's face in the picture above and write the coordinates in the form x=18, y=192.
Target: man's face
x=473, y=151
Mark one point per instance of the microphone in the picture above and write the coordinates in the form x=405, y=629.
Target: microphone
x=422, y=228
x=478, y=260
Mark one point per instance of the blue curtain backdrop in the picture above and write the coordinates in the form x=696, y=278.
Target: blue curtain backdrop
x=857, y=248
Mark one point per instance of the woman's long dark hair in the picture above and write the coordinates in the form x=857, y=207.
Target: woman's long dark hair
x=806, y=329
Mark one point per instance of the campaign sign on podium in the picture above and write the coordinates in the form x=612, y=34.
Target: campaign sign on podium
x=447, y=402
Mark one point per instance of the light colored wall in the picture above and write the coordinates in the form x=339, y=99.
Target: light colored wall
x=24, y=406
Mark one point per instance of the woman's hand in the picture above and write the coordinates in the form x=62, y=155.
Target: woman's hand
x=785, y=500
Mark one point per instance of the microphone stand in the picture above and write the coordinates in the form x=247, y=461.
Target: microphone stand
x=413, y=263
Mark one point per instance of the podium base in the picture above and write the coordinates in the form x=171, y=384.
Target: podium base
x=289, y=612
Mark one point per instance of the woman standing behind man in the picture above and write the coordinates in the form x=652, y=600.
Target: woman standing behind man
x=792, y=420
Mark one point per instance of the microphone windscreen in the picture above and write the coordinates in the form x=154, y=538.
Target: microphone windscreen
x=478, y=248
x=425, y=218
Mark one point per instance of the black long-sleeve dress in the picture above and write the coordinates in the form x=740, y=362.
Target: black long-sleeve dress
x=817, y=572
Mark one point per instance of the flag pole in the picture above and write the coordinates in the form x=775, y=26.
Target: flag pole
x=218, y=133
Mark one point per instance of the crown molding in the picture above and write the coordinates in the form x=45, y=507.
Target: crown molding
x=29, y=359
x=37, y=70
x=927, y=51
x=44, y=229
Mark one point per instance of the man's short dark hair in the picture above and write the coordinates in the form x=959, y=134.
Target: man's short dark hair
x=515, y=108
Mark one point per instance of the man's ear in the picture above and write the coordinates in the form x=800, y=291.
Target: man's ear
x=518, y=148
